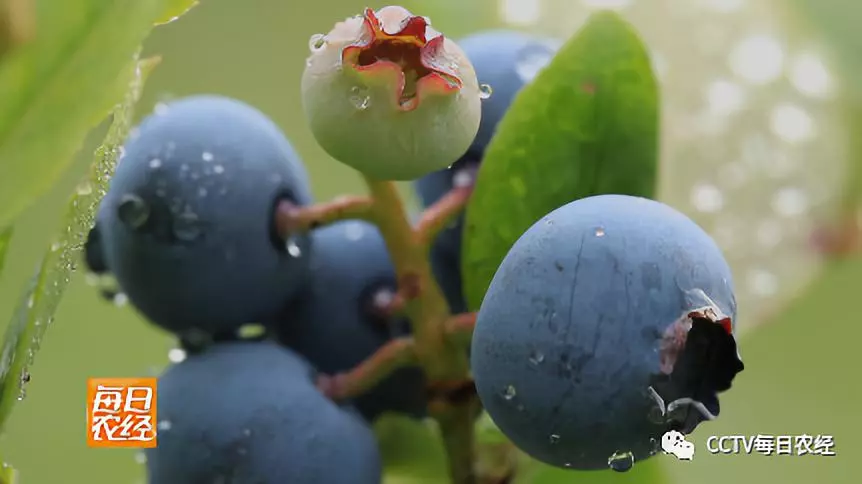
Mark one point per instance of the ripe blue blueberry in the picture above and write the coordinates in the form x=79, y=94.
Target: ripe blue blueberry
x=506, y=61
x=187, y=225
x=339, y=318
x=609, y=322
x=249, y=413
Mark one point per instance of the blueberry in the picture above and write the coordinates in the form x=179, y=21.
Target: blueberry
x=249, y=413
x=608, y=323
x=187, y=225
x=505, y=60
x=335, y=324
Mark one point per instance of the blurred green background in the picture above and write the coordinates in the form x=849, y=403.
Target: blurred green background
x=755, y=147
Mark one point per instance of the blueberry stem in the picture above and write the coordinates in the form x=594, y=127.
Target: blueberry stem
x=291, y=219
x=437, y=344
x=456, y=427
x=442, y=358
x=461, y=325
x=436, y=217
x=395, y=354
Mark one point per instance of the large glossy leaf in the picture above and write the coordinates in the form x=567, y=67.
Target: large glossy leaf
x=42, y=296
x=55, y=88
x=587, y=125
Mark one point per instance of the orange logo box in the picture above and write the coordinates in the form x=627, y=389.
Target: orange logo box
x=121, y=412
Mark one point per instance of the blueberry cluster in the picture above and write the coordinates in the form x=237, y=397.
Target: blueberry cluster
x=187, y=230
x=576, y=336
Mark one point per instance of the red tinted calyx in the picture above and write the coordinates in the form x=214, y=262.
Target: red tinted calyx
x=409, y=49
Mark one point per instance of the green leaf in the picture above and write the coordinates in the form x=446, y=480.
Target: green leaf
x=5, y=238
x=587, y=125
x=41, y=298
x=8, y=474
x=54, y=88
x=175, y=9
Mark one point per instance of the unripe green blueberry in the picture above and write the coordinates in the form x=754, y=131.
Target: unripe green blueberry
x=390, y=96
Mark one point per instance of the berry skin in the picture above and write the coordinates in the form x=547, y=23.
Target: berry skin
x=506, y=61
x=334, y=323
x=188, y=224
x=249, y=413
x=602, y=329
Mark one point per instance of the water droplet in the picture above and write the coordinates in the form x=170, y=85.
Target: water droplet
x=485, y=91
x=567, y=465
x=553, y=438
x=155, y=163
x=510, y=392
x=84, y=189
x=207, y=156
x=536, y=358
x=133, y=211
x=140, y=457
x=120, y=299
x=621, y=461
x=360, y=98
x=31, y=301
x=293, y=249
x=177, y=355
x=164, y=425
x=317, y=42
x=186, y=226
x=56, y=246
x=600, y=232
x=160, y=109
x=218, y=169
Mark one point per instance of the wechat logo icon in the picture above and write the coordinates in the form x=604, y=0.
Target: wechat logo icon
x=674, y=443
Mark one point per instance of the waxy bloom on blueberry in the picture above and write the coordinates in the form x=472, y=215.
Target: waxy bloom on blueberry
x=390, y=96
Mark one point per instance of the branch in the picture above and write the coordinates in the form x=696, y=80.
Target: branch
x=395, y=354
x=290, y=218
x=457, y=429
x=427, y=311
x=436, y=217
x=461, y=325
